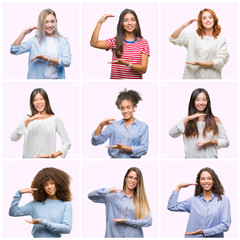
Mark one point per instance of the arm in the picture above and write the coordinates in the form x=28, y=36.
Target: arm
x=99, y=196
x=145, y=222
x=20, y=130
x=177, y=130
x=222, y=55
x=222, y=139
x=179, y=30
x=65, y=58
x=101, y=44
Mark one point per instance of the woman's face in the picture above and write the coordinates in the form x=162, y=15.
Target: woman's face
x=207, y=20
x=50, y=25
x=39, y=103
x=201, y=102
x=50, y=189
x=129, y=23
x=127, y=109
x=206, y=181
x=131, y=180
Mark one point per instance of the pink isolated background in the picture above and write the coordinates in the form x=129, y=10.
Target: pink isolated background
x=20, y=174
x=64, y=100
x=95, y=61
x=173, y=15
x=19, y=16
x=175, y=172
x=175, y=98
x=111, y=175
x=98, y=103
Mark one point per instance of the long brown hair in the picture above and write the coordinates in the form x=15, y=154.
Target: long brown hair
x=141, y=205
x=191, y=129
x=216, y=27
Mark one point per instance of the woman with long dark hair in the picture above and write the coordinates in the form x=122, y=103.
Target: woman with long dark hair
x=209, y=209
x=128, y=137
x=127, y=209
x=49, y=51
x=51, y=210
x=130, y=49
x=203, y=133
x=206, y=48
x=39, y=129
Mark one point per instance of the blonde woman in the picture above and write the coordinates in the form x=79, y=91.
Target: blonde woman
x=127, y=210
x=49, y=52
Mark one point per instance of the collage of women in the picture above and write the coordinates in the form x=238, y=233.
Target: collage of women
x=119, y=119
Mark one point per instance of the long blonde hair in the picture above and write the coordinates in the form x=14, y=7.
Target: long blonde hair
x=140, y=201
x=40, y=34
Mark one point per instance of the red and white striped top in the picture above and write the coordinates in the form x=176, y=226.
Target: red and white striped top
x=132, y=52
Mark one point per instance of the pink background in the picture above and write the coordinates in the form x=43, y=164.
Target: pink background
x=172, y=173
x=64, y=100
x=111, y=175
x=98, y=59
x=20, y=174
x=98, y=103
x=173, y=15
x=175, y=99
x=19, y=16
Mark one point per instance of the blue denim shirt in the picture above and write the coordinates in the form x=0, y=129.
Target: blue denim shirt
x=213, y=217
x=135, y=136
x=36, y=70
x=118, y=205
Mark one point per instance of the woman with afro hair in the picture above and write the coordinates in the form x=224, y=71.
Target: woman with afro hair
x=51, y=210
x=128, y=137
x=209, y=209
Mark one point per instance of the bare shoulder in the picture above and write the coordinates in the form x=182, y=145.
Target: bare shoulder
x=217, y=120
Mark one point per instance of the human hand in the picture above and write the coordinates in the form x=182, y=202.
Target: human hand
x=28, y=190
x=194, y=233
x=184, y=185
x=47, y=156
x=105, y=17
x=107, y=121
x=119, y=220
x=196, y=115
x=36, y=116
x=115, y=190
x=33, y=221
x=194, y=63
x=189, y=22
x=119, y=61
x=30, y=29
x=117, y=146
x=41, y=57
x=206, y=143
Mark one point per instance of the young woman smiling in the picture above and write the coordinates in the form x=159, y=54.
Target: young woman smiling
x=49, y=52
x=203, y=133
x=209, y=209
x=127, y=209
x=206, y=49
x=130, y=49
x=128, y=138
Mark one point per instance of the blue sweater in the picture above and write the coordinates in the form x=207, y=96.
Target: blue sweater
x=55, y=216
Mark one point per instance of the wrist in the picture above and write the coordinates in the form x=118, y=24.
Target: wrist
x=129, y=65
x=178, y=188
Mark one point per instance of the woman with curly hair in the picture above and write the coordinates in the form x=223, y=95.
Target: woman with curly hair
x=209, y=209
x=39, y=129
x=127, y=210
x=206, y=48
x=203, y=133
x=130, y=49
x=128, y=138
x=51, y=210
x=49, y=51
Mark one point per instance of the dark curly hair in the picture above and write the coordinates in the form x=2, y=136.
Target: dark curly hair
x=61, y=180
x=130, y=95
x=217, y=188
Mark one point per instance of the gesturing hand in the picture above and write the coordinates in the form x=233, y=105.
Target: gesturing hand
x=28, y=190
x=118, y=61
x=194, y=233
x=36, y=116
x=207, y=143
x=37, y=57
x=105, y=17
x=33, y=221
x=115, y=190
x=117, y=146
x=196, y=115
x=47, y=156
x=30, y=29
x=184, y=185
x=119, y=220
x=189, y=22
x=107, y=121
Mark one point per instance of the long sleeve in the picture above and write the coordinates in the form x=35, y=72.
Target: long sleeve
x=182, y=39
x=225, y=220
x=103, y=137
x=19, y=131
x=65, y=58
x=138, y=151
x=145, y=222
x=15, y=210
x=174, y=205
x=99, y=196
x=64, y=137
x=66, y=224
x=22, y=48
x=222, y=138
x=177, y=130
x=222, y=54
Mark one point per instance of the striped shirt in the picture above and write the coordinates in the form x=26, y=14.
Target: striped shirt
x=132, y=52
